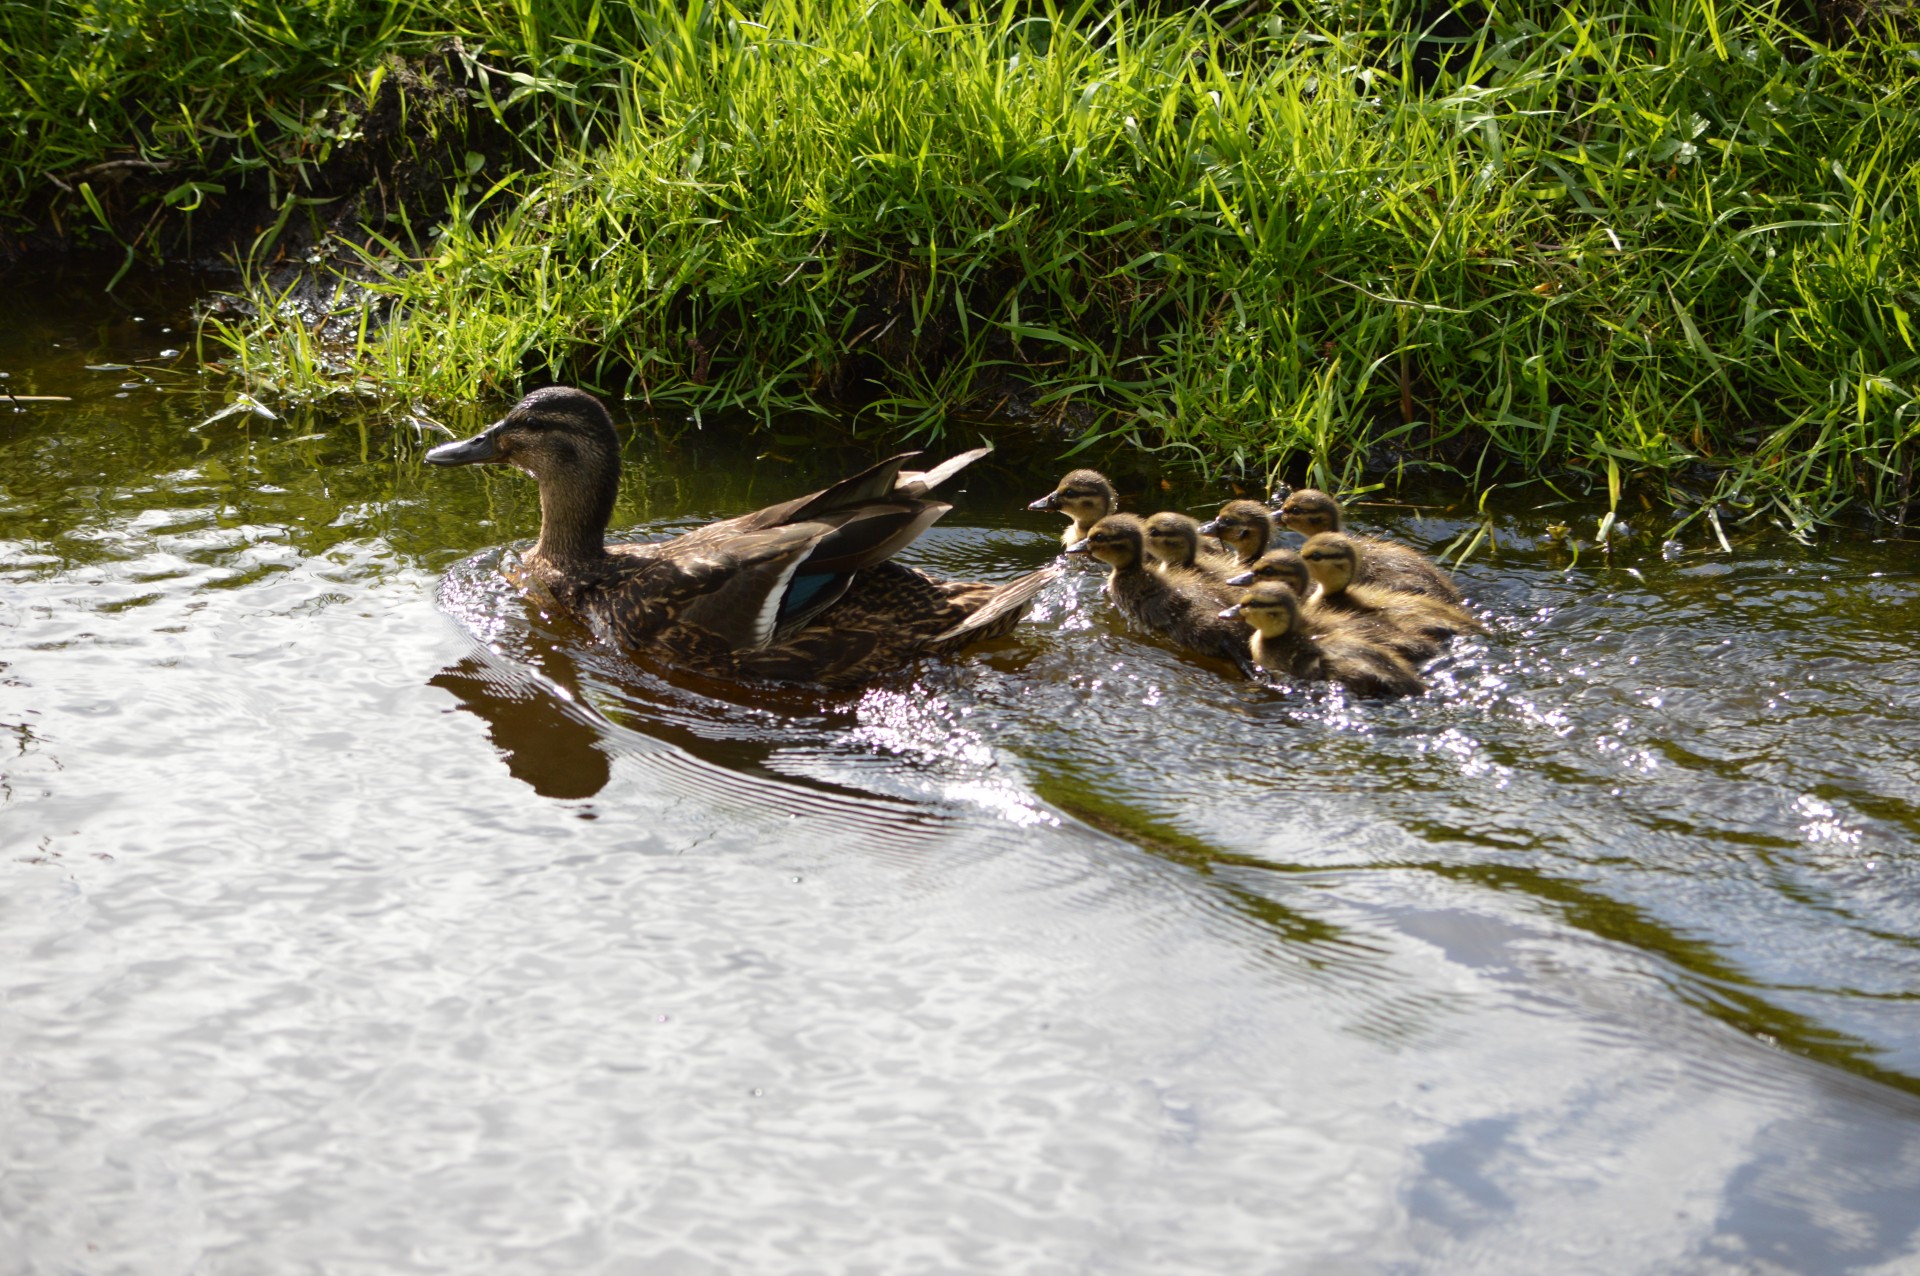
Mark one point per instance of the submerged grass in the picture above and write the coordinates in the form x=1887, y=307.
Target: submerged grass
x=1673, y=240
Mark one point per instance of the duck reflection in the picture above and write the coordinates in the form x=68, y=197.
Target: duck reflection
x=546, y=736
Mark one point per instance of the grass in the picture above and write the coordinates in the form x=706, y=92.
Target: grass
x=1672, y=243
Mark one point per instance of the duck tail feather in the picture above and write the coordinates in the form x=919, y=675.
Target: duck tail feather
x=999, y=613
x=917, y=483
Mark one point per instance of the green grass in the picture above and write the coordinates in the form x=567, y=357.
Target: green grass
x=1671, y=242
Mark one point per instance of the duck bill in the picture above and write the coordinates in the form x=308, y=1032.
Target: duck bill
x=1051, y=501
x=1211, y=528
x=478, y=450
x=1231, y=613
x=1244, y=578
x=1081, y=547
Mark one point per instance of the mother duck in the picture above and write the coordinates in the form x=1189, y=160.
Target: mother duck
x=799, y=592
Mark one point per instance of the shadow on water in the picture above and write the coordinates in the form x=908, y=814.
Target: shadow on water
x=548, y=743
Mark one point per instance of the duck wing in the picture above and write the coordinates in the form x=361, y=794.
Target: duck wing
x=754, y=588
x=882, y=482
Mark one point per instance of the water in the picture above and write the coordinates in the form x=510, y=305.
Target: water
x=357, y=920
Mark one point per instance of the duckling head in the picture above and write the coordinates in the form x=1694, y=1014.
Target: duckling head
x=1273, y=609
x=1310, y=511
x=1244, y=526
x=1282, y=565
x=1173, y=538
x=1333, y=559
x=1084, y=496
x=1118, y=540
x=565, y=439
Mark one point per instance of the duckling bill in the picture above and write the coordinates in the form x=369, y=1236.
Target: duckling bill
x=804, y=591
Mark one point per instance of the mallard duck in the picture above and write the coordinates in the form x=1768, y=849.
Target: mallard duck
x=798, y=592
x=1311, y=511
x=1183, y=607
x=1283, y=565
x=1174, y=541
x=1287, y=640
x=1338, y=564
x=1084, y=496
x=1245, y=527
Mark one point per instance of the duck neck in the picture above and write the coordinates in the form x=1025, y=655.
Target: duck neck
x=573, y=521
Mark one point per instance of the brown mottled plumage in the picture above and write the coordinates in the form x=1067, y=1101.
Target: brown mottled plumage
x=1245, y=527
x=1084, y=496
x=1338, y=563
x=1184, y=607
x=1174, y=541
x=1311, y=511
x=797, y=592
x=1287, y=639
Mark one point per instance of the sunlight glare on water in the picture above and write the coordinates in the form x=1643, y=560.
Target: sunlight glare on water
x=360, y=918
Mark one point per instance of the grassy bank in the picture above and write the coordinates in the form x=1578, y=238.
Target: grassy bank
x=1670, y=241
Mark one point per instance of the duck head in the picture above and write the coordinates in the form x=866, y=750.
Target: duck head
x=1310, y=511
x=1270, y=607
x=1173, y=538
x=564, y=438
x=1282, y=565
x=1118, y=540
x=1244, y=527
x=1085, y=496
x=1333, y=559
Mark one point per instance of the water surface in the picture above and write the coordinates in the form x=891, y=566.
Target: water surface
x=357, y=919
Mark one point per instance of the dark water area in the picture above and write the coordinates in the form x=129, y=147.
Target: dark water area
x=357, y=918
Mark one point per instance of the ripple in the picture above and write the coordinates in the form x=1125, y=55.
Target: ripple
x=362, y=917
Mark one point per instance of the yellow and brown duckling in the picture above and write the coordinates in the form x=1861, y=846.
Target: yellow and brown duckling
x=1281, y=564
x=1174, y=541
x=1311, y=511
x=1287, y=639
x=1184, y=607
x=1338, y=564
x=1086, y=497
x=1288, y=568
x=802, y=592
x=1245, y=527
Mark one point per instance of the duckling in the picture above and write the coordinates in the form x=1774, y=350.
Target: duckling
x=1182, y=606
x=800, y=592
x=1174, y=541
x=1338, y=564
x=1086, y=497
x=1281, y=564
x=1288, y=568
x=1286, y=639
x=1311, y=511
x=1245, y=527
